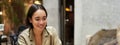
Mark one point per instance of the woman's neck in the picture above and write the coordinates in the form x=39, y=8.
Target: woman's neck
x=38, y=37
x=38, y=40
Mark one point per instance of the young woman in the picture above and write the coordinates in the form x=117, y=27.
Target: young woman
x=38, y=32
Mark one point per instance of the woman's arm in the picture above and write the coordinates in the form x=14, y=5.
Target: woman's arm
x=21, y=40
x=55, y=38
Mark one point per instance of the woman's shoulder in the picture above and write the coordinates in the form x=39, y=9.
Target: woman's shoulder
x=25, y=32
x=51, y=30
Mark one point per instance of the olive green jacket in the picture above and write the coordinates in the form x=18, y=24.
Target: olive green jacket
x=49, y=37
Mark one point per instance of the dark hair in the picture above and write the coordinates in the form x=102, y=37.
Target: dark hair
x=31, y=11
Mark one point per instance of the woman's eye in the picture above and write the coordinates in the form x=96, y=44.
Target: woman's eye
x=44, y=18
x=37, y=19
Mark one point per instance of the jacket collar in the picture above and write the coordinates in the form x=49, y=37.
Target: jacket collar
x=31, y=35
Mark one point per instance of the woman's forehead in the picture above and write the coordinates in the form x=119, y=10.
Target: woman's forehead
x=39, y=12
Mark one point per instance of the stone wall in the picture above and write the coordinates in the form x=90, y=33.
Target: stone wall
x=93, y=15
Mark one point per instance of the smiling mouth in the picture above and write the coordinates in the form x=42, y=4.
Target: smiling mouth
x=41, y=26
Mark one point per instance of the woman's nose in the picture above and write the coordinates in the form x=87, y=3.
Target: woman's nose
x=41, y=22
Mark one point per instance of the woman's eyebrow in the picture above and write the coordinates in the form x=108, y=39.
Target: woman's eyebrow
x=37, y=17
x=40, y=17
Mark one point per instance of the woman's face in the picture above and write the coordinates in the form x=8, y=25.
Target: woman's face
x=39, y=20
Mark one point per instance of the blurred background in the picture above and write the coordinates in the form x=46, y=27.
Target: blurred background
x=75, y=20
x=13, y=14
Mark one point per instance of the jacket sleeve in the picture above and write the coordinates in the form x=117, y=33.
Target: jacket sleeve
x=21, y=40
x=57, y=41
x=55, y=38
